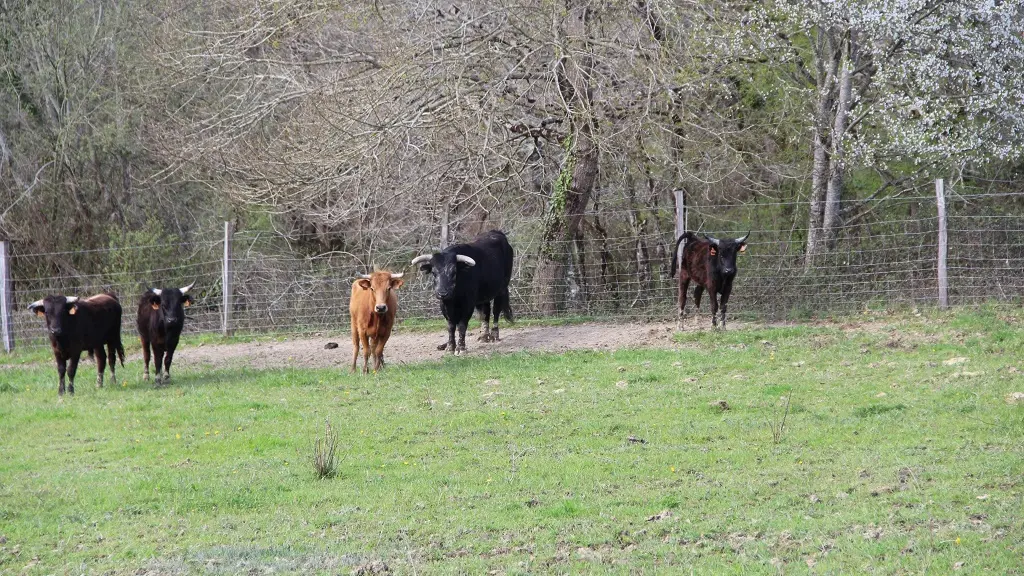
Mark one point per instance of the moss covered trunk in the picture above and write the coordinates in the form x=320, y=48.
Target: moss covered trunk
x=579, y=169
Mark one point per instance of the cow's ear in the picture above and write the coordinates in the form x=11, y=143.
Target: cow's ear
x=426, y=267
x=73, y=310
x=713, y=251
x=397, y=283
x=363, y=283
x=743, y=247
x=186, y=301
x=39, y=310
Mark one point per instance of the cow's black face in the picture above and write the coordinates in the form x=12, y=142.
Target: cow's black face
x=57, y=310
x=171, y=303
x=723, y=254
x=444, y=269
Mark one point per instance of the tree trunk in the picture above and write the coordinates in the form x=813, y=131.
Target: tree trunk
x=575, y=182
x=837, y=158
x=834, y=87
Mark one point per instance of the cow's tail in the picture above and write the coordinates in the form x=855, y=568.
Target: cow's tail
x=675, y=253
x=506, y=310
x=120, y=351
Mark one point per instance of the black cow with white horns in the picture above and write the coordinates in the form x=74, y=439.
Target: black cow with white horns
x=160, y=320
x=471, y=276
x=82, y=324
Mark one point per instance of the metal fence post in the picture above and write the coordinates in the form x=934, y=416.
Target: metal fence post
x=226, y=328
x=680, y=196
x=940, y=202
x=6, y=298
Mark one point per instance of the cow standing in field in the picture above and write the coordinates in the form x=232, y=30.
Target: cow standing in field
x=471, y=276
x=711, y=263
x=160, y=320
x=372, y=308
x=77, y=324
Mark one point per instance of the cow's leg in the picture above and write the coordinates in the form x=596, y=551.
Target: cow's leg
x=698, y=295
x=365, y=341
x=462, y=338
x=500, y=305
x=158, y=359
x=378, y=353
x=145, y=357
x=172, y=344
x=355, y=349
x=725, y=300
x=112, y=362
x=684, y=286
x=72, y=369
x=450, y=345
x=714, y=308
x=101, y=365
x=485, y=311
x=62, y=368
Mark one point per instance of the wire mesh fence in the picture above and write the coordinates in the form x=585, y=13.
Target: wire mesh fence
x=619, y=268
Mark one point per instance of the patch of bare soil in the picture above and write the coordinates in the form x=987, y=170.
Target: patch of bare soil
x=409, y=347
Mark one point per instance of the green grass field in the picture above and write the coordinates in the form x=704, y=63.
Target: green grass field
x=900, y=454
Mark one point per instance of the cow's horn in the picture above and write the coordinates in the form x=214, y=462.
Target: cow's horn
x=364, y=276
x=36, y=304
x=421, y=258
x=156, y=291
x=743, y=239
x=712, y=239
x=187, y=288
x=398, y=275
x=72, y=299
x=465, y=260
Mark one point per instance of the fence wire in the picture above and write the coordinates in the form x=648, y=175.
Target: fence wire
x=620, y=268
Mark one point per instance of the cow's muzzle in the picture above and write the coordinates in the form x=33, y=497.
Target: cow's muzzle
x=56, y=331
x=381, y=308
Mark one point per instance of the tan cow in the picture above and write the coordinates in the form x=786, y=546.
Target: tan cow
x=372, y=307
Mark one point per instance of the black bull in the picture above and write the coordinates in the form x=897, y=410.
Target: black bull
x=470, y=277
x=82, y=324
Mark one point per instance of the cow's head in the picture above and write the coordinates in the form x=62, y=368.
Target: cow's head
x=723, y=252
x=57, y=311
x=172, y=303
x=443, y=267
x=381, y=283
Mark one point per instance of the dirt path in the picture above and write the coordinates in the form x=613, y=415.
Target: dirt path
x=406, y=347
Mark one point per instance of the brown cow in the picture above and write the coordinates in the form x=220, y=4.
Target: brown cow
x=711, y=263
x=372, y=308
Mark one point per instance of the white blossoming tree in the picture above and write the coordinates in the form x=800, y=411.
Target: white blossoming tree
x=926, y=83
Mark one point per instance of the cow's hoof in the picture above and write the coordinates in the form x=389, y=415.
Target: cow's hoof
x=145, y=377
x=485, y=338
x=443, y=346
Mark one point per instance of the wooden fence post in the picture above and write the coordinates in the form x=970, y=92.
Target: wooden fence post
x=940, y=201
x=445, y=216
x=226, y=328
x=6, y=298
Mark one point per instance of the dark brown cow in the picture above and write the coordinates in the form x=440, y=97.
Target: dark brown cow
x=372, y=309
x=160, y=320
x=711, y=263
x=77, y=324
